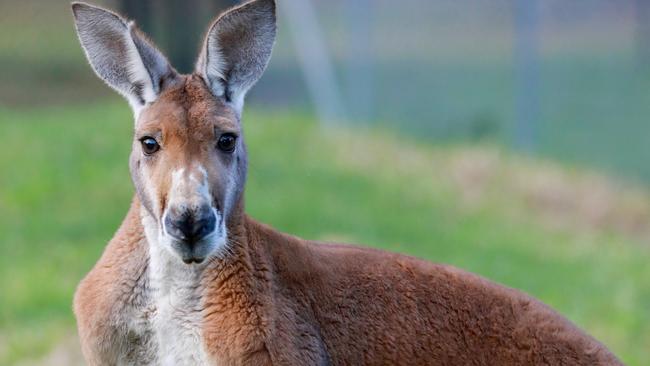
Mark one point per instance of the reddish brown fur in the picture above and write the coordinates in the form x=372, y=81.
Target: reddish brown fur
x=278, y=299
x=186, y=117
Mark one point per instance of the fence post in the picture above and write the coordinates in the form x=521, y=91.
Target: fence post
x=314, y=59
x=526, y=74
x=359, y=70
x=642, y=14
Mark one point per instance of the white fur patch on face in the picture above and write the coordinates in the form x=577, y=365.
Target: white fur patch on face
x=190, y=189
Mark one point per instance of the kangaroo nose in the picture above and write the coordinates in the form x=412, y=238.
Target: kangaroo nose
x=190, y=226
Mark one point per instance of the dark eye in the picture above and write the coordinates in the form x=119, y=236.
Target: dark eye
x=227, y=142
x=149, y=145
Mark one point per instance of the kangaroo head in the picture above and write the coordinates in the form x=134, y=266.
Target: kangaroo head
x=188, y=161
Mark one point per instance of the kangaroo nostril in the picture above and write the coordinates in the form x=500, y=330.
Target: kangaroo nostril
x=205, y=225
x=191, y=226
x=180, y=227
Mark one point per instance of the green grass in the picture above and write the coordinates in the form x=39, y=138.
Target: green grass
x=65, y=188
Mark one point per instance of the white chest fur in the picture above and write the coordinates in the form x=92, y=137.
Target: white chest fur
x=177, y=319
x=171, y=320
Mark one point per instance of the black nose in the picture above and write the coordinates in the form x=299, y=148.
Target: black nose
x=191, y=226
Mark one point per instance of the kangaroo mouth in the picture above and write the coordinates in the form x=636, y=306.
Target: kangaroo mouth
x=190, y=260
x=194, y=254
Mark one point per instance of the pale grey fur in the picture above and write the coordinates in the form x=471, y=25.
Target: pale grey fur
x=120, y=54
x=237, y=50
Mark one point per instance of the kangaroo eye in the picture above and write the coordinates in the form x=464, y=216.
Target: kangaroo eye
x=227, y=142
x=149, y=145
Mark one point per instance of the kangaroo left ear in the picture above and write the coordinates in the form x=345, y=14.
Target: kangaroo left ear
x=237, y=49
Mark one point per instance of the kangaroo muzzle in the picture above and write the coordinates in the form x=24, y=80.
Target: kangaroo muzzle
x=192, y=221
x=190, y=225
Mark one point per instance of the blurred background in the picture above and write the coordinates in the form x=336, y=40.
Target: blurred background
x=508, y=137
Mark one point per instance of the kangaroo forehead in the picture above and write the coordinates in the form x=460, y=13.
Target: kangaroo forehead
x=188, y=108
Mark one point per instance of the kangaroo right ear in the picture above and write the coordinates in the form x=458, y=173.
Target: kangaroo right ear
x=121, y=55
x=237, y=49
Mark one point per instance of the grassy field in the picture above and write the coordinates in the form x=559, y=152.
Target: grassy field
x=521, y=222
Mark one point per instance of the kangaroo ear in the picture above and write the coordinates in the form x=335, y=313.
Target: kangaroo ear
x=237, y=49
x=121, y=55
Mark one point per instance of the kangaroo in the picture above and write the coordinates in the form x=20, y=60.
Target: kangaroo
x=190, y=279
